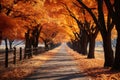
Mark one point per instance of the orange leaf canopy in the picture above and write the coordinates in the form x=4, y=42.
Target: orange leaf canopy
x=7, y=26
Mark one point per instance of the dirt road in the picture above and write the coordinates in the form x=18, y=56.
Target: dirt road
x=60, y=67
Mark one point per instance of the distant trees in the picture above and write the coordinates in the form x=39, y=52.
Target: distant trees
x=29, y=16
x=88, y=33
x=48, y=34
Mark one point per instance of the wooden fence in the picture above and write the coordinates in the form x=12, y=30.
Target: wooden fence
x=18, y=55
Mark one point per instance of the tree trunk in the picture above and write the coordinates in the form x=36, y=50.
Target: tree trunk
x=74, y=45
x=84, y=43
x=116, y=65
x=46, y=45
x=35, y=35
x=0, y=35
x=108, y=52
x=10, y=44
x=79, y=47
x=27, y=39
x=106, y=36
x=28, y=44
x=6, y=45
x=91, y=47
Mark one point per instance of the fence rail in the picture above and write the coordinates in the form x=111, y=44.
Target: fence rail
x=15, y=55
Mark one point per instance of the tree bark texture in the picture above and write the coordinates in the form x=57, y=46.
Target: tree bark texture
x=91, y=47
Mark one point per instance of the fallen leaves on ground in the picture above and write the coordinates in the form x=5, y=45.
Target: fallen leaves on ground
x=25, y=67
x=94, y=67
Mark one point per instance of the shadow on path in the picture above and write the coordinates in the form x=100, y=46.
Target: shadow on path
x=61, y=67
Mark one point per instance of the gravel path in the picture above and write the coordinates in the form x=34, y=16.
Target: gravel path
x=60, y=67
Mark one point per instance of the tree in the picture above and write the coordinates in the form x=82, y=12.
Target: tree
x=87, y=30
x=35, y=35
x=75, y=42
x=10, y=43
x=117, y=23
x=28, y=14
x=113, y=8
x=92, y=32
x=104, y=30
x=0, y=36
x=48, y=34
x=82, y=34
x=7, y=28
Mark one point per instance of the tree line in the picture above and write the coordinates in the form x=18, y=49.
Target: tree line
x=102, y=17
x=30, y=29
x=89, y=31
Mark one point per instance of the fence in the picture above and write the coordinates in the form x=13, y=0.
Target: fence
x=18, y=55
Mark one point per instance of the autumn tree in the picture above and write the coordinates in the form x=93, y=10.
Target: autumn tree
x=35, y=35
x=48, y=34
x=113, y=9
x=87, y=30
x=7, y=28
x=92, y=32
x=28, y=14
x=7, y=11
x=104, y=30
x=117, y=23
x=82, y=37
x=26, y=11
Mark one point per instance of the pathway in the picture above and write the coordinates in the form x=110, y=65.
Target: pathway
x=61, y=67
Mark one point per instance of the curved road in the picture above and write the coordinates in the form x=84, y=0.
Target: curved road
x=60, y=67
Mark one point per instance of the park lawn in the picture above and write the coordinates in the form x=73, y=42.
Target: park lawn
x=94, y=67
x=25, y=67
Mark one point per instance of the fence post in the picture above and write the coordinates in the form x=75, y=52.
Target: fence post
x=36, y=50
x=31, y=51
x=6, y=57
x=20, y=53
x=25, y=51
x=14, y=56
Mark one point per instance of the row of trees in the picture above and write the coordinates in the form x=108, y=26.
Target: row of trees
x=88, y=33
x=93, y=17
x=105, y=28
x=105, y=17
x=29, y=20
x=24, y=20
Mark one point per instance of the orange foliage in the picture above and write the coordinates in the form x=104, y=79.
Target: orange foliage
x=51, y=14
x=7, y=27
x=30, y=13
